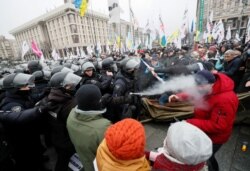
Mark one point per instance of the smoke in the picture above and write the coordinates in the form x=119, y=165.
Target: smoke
x=187, y=84
x=175, y=84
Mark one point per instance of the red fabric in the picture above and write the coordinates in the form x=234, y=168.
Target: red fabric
x=164, y=164
x=217, y=120
x=126, y=139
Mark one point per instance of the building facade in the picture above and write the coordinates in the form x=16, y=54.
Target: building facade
x=63, y=29
x=232, y=13
x=7, y=48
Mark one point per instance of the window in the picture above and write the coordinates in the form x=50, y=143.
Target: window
x=75, y=38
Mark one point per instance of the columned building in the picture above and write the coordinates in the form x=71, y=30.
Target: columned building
x=7, y=48
x=64, y=30
x=233, y=13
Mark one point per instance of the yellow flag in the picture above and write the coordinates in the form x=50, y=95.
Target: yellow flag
x=197, y=35
x=83, y=7
x=118, y=39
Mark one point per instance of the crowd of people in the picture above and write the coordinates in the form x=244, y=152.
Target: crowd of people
x=85, y=106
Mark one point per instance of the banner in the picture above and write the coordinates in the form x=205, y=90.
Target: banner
x=201, y=15
x=228, y=36
x=163, y=39
x=25, y=49
x=184, y=25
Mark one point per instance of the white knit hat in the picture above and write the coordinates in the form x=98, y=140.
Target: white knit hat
x=187, y=144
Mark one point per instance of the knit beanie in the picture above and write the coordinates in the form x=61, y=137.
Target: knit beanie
x=126, y=139
x=88, y=98
x=187, y=143
x=204, y=77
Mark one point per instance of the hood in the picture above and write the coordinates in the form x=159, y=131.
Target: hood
x=223, y=84
x=57, y=95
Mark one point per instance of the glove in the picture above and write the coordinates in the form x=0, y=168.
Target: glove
x=106, y=99
x=43, y=109
x=128, y=98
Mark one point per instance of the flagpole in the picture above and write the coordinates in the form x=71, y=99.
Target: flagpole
x=120, y=36
x=93, y=26
x=131, y=24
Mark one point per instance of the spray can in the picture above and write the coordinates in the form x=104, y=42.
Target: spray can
x=244, y=146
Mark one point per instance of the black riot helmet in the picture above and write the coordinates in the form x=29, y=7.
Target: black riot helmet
x=130, y=65
x=34, y=66
x=107, y=63
x=42, y=75
x=18, y=80
x=62, y=79
x=60, y=69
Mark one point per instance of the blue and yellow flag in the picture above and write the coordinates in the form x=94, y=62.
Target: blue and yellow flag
x=83, y=7
x=77, y=3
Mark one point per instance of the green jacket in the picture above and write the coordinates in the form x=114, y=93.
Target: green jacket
x=86, y=130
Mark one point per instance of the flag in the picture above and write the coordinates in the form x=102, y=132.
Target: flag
x=55, y=55
x=25, y=49
x=83, y=7
x=129, y=41
x=192, y=27
x=82, y=53
x=209, y=27
x=184, y=25
x=107, y=49
x=211, y=17
x=89, y=50
x=237, y=36
x=221, y=33
x=114, y=11
x=78, y=52
x=77, y=3
x=99, y=48
x=248, y=31
x=177, y=42
x=35, y=49
x=205, y=36
x=228, y=36
x=218, y=32
x=173, y=36
x=197, y=36
x=163, y=40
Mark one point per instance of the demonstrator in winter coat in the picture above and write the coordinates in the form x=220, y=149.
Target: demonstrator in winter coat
x=217, y=114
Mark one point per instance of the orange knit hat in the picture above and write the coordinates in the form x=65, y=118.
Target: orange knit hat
x=126, y=139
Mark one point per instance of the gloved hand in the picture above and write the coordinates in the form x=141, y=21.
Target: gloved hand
x=43, y=109
x=128, y=98
x=106, y=99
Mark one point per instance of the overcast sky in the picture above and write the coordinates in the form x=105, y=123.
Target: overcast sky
x=14, y=13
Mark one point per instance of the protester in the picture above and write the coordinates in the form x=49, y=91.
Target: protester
x=60, y=101
x=214, y=117
x=85, y=124
x=22, y=121
x=123, y=148
x=185, y=147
